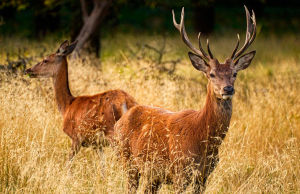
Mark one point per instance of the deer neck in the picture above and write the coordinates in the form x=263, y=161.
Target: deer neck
x=217, y=114
x=63, y=95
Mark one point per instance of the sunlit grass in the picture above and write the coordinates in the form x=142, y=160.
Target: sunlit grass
x=260, y=153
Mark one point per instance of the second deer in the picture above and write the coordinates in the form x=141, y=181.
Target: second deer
x=182, y=147
x=85, y=118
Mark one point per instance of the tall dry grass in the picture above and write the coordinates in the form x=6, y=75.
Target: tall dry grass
x=260, y=154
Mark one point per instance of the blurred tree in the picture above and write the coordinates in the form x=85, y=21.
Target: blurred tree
x=91, y=22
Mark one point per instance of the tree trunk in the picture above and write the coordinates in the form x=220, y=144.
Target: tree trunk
x=91, y=23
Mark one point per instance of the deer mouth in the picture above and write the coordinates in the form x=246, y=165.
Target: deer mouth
x=227, y=97
x=32, y=75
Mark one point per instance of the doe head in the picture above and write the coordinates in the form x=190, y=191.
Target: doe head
x=50, y=65
x=221, y=76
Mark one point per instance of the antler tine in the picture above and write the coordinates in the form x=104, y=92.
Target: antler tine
x=200, y=46
x=209, y=52
x=254, y=28
x=251, y=29
x=174, y=21
x=185, y=38
x=236, y=47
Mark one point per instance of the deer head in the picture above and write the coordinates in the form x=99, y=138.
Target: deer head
x=50, y=65
x=221, y=76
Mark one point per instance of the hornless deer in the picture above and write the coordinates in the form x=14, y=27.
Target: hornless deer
x=85, y=118
x=182, y=147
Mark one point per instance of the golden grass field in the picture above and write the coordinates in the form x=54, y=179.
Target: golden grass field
x=260, y=154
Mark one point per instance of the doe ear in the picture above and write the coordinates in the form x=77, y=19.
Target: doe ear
x=65, y=49
x=244, y=61
x=199, y=63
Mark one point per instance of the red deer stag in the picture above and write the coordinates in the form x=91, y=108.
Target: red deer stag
x=182, y=147
x=85, y=118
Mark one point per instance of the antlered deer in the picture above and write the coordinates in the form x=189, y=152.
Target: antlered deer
x=181, y=147
x=85, y=118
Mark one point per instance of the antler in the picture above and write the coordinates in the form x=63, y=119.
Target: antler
x=186, y=40
x=251, y=29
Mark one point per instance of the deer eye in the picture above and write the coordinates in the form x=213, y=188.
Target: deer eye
x=235, y=74
x=45, y=61
x=212, y=75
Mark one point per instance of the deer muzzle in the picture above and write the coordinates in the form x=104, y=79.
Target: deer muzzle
x=228, y=92
x=30, y=73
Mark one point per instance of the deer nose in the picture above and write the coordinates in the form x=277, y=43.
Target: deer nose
x=27, y=71
x=229, y=90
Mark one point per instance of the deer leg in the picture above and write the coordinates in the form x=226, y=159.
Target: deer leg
x=133, y=180
x=101, y=156
x=180, y=182
x=199, y=185
x=198, y=189
x=179, y=186
x=74, y=149
x=153, y=186
x=154, y=176
x=100, y=152
x=200, y=178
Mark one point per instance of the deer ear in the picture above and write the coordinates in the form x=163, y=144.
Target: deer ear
x=199, y=63
x=65, y=49
x=62, y=47
x=244, y=61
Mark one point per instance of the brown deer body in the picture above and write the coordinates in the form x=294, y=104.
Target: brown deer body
x=182, y=147
x=85, y=118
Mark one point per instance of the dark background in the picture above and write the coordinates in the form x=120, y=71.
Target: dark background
x=37, y=18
